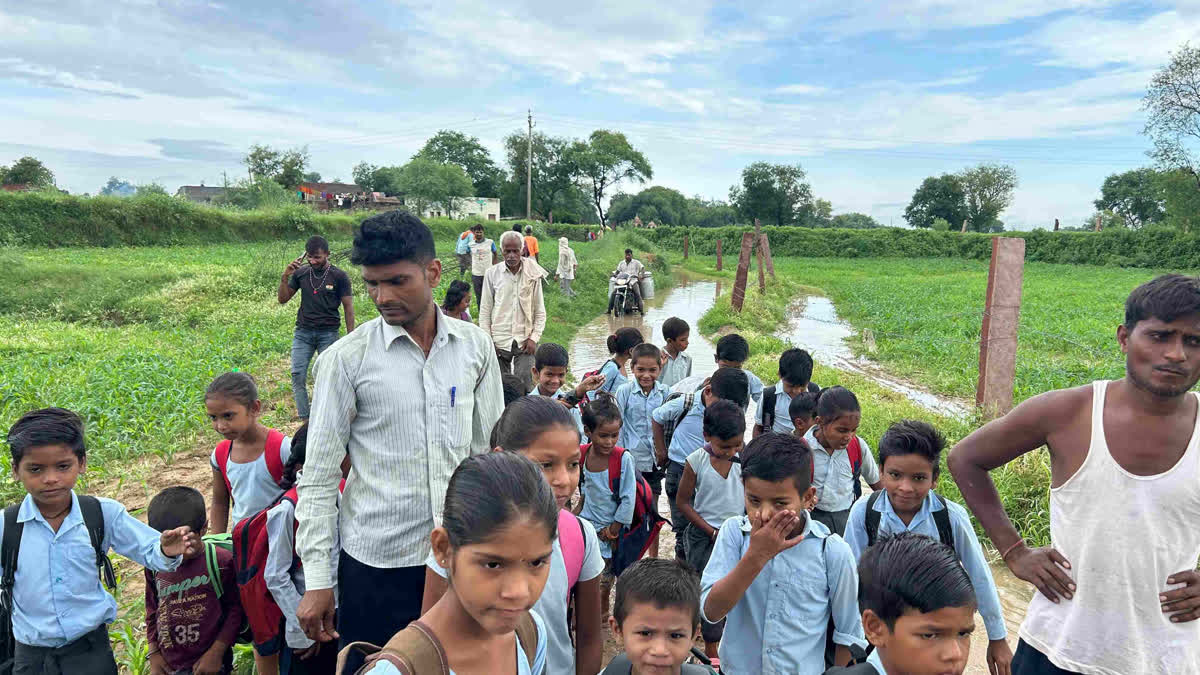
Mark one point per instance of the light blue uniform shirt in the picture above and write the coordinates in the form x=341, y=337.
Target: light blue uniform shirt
x=783, y=418
x=689, y=432
x=779, y=625
x=57, y=594
x=599, y=507
x=574, y=410
x=636, y=408
x=613, y=379
x=833, y=476
x=523, y=667
x=463, y=246
x=756, y=387
x=965, y=543
x=676, y=369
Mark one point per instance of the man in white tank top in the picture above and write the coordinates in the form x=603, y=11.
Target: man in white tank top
x=1118, y=589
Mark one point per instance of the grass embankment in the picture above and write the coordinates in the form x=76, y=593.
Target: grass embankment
x=130, y=337
x=1023, y=485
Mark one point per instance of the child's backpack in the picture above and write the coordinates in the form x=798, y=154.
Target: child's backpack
x=634, y=540
x=250, y=547
x=271, y=451
x=669, y=426
x=769, y=396
x=10, y=549
x=417, y=651
x=212, y=542
x=941, y=518
x=571, y=541
x=854, y=454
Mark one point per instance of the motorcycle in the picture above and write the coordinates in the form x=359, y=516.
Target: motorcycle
x=624, y=301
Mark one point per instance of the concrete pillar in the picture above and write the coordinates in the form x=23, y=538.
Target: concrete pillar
x=719, y=255
x=743, y=269
x=1001, y=317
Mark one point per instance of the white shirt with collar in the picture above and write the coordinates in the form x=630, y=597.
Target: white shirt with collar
x=406, y=419
x=511, y=305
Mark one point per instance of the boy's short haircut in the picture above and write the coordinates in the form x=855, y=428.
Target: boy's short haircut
x=514, y=387
x=774, y=457
x=477, y=227
x=731, y=384
x=804, y=405
x=392, y=237
x=628, y=251
x=724, y=420
x=662, y=582
x=316, y=244
x=796, y=367
x=175, y=507
x=48, y=426
x=674, y=328
x=912, y=437
x=645, y=350
x=550, y=355
x=910, y=571
x=1166, y=298
x=733, y=348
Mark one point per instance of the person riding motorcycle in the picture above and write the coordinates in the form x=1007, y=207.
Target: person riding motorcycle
x=635, y=271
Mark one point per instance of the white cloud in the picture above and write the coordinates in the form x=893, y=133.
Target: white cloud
x=799, y=89
x=1084, y=41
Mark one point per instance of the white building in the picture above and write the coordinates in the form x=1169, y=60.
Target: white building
x=465, y=207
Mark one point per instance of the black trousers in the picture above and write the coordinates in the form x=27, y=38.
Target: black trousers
x=834, y=520
x=375, y=603
x=1029, y=661
x=89, y=655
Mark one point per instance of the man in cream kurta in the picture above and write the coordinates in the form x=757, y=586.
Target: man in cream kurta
x=512, y=309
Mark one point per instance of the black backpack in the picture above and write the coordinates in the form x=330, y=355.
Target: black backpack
x=669, y=426
x=769, y=396
x=941, y=518
x=10, y=548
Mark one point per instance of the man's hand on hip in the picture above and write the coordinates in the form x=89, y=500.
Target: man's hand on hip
x=529, y=347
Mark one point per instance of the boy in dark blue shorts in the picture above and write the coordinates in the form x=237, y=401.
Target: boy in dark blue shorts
x=60, y=612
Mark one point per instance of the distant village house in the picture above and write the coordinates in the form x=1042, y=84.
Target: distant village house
x=484, y=208
x=201, y=194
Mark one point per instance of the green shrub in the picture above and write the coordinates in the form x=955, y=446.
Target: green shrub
x=1157, y=247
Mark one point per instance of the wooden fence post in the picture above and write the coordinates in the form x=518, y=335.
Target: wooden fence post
x=743, y=269
x=765, y=244
x=718, y=255
x=762, y=281
x=998, y=336
x=685, y=246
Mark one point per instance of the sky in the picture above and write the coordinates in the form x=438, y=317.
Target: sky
x=868, y=97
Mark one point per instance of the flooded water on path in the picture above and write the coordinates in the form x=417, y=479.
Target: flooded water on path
x=813, y=325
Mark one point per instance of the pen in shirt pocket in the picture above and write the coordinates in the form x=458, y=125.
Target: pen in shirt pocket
x=453, y=391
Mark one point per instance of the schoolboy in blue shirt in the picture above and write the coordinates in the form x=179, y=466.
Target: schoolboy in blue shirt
x=779, y=575
x=795, y=378
x=731, y=352
x=909, y=460
x=726, y=384
x=550, y=363
x=918, y=608
x=60, y=611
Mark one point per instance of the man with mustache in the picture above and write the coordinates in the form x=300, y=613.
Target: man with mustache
x=407, y=396
x=1118, y=587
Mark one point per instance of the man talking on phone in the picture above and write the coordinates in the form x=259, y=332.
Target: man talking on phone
x=322, y=287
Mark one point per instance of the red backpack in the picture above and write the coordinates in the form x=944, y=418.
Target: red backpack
x=634, y=540
x=251, y=545
x=274, y=463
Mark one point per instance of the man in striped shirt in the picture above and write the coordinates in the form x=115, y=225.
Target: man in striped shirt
x=408, y=396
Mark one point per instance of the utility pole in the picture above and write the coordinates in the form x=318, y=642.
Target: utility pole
x=529, y=171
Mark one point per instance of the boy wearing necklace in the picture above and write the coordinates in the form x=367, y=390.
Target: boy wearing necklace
x=323, y=288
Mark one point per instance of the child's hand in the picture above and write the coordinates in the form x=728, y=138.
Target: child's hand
x=610, y=533
x=158, y=665
x=769, y=539
x=179, y=541
x=999, y=657
x=212, y=661
x=589, y=383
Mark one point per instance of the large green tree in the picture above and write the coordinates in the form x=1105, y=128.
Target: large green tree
x=385, y=179
x=603, y=161
x=660, y=204
x=775, y=193
x=1181, y=198
x=455, y=147
x=1172, y=103
x=857, y=221
x=553, y=177
x=286, y=167
x=938, y=197
x=710, y=212
x=1136, y=196
x=989, y=190
x=27, y=171
x=426, y=183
